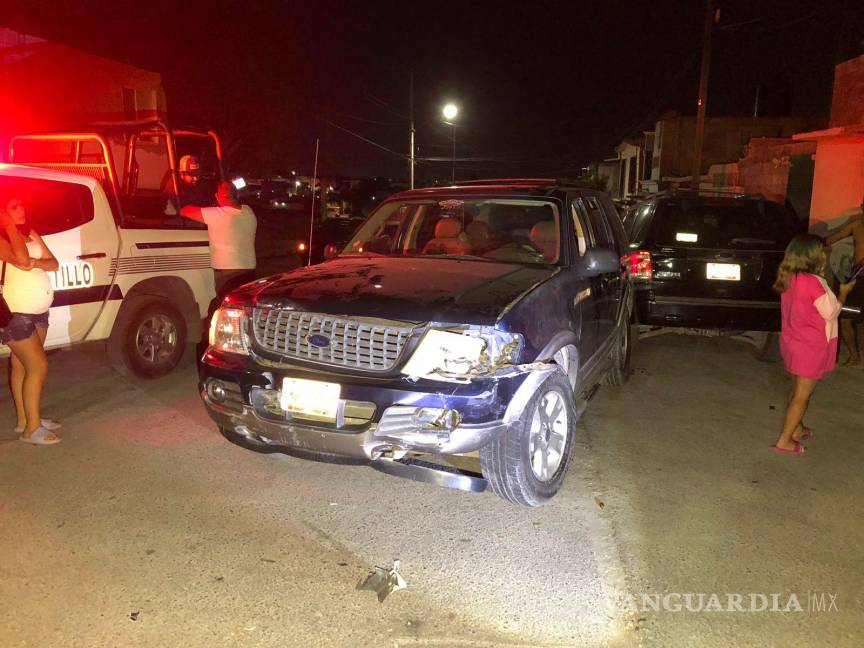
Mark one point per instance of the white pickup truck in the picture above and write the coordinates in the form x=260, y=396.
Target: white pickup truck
x=142, y=282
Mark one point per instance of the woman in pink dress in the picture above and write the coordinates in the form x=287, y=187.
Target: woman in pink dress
x=808, y=338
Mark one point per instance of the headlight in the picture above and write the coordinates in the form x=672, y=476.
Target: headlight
x=227, y=331
x=460, y=354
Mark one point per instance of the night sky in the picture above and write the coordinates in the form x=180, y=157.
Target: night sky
x=543, y=87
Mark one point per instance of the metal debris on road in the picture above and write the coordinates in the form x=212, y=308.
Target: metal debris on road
x=383, y=581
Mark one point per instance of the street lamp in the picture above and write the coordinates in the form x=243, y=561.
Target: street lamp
x=450, y=111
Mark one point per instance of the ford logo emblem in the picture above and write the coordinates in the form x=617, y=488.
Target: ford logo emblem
x=318, y=341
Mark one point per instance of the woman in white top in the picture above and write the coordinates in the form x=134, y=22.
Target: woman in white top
x=28, y=293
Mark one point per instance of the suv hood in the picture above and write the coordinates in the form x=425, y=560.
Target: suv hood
x=405, y=289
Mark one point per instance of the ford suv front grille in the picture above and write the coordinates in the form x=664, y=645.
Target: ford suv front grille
x=340, y=342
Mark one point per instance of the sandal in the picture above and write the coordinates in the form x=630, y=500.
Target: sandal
x=48, y=424
x=799, y=449
x=41, y=436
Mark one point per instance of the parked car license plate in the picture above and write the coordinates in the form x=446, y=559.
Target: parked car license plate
x=310, y=398
x=724, y=271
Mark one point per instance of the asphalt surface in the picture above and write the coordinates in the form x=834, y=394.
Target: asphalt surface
x=146, y=528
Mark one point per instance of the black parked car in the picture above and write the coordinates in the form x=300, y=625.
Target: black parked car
x=460, y=319
x=708, y=262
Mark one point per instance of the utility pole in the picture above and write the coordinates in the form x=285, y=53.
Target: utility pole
x=411, y=114
x=710, y=16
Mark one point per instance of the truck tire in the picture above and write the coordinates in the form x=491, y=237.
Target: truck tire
x=621, y=357
x=151, y=338
x=527, y=463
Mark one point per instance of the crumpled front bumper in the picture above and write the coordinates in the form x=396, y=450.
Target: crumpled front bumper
x=304, y=439
x=374, y=416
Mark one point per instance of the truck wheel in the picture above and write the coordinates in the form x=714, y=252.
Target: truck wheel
x=527, y=463
x=154, y=339
x=621, y=358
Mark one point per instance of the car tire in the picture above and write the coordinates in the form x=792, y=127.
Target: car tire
x=153, y=339
x=621, y=358
x=514, y=464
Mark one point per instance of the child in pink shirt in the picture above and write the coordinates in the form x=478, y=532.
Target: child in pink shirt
x=808, y=338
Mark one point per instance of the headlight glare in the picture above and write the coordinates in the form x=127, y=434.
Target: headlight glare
x=227, y=331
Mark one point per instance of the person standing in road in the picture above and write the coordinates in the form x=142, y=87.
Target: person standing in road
x=808, y=336
x=28, y=293
x=855, y=229
x=231, y=227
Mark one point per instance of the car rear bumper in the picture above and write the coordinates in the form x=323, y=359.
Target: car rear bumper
x=698, y=312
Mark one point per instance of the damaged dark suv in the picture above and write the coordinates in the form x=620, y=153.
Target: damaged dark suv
x=470, y=319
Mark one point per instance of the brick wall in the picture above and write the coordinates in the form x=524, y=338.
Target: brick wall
x=847, y=103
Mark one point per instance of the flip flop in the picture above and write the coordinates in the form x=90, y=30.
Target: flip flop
x=48, y=424
x=797, y=450
x=808, y=432
x=40, y=437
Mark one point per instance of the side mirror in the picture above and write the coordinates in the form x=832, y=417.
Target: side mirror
x=598, y=261
x=330, y=252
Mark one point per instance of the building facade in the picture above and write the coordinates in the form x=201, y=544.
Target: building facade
x=44, y=85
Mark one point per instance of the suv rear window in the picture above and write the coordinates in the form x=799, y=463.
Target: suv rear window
x=725, y=224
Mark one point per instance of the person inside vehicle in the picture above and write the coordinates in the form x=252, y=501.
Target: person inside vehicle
x=855, y=229
x=28, y=294
x=231, y=228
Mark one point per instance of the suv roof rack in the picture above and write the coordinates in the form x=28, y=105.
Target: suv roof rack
x=704, y=193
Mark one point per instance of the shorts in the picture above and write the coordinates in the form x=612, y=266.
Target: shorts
x=22, y=326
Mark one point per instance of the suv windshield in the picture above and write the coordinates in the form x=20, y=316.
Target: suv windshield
x=494, y=229
x=747, y=224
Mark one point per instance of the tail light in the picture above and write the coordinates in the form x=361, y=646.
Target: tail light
x=639, y=265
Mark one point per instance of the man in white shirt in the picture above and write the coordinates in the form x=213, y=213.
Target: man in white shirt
x=231, y=228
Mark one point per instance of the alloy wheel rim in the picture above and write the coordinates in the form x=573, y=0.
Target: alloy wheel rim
x=156, y=339
x=547, y=440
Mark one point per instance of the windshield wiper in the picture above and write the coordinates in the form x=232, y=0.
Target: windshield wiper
x=455, y=256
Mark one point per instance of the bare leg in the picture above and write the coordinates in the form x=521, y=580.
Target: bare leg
x=799, y=431
x=16, y=385
x=16, y=380
x=850, y=341
x=31, y=355
x=802, y=390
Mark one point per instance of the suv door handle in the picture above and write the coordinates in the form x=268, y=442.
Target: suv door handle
x=92, y=255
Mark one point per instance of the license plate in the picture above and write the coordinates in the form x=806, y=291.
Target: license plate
x=310, y=398
x=724, y=271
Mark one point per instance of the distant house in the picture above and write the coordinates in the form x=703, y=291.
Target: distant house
x=838, y=181
x=662, y=158
x=44, y=85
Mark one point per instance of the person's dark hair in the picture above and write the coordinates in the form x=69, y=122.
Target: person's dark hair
x=805, y=253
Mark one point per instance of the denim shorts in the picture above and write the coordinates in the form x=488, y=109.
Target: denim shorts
x=22, y=326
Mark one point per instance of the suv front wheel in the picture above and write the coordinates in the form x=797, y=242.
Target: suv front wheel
x=526, y=464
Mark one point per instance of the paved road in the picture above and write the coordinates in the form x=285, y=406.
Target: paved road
x=145, y=512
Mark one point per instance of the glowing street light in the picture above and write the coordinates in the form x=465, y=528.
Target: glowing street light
x=450, y=112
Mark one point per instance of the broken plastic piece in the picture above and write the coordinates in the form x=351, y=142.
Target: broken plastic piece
x=383, y=581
